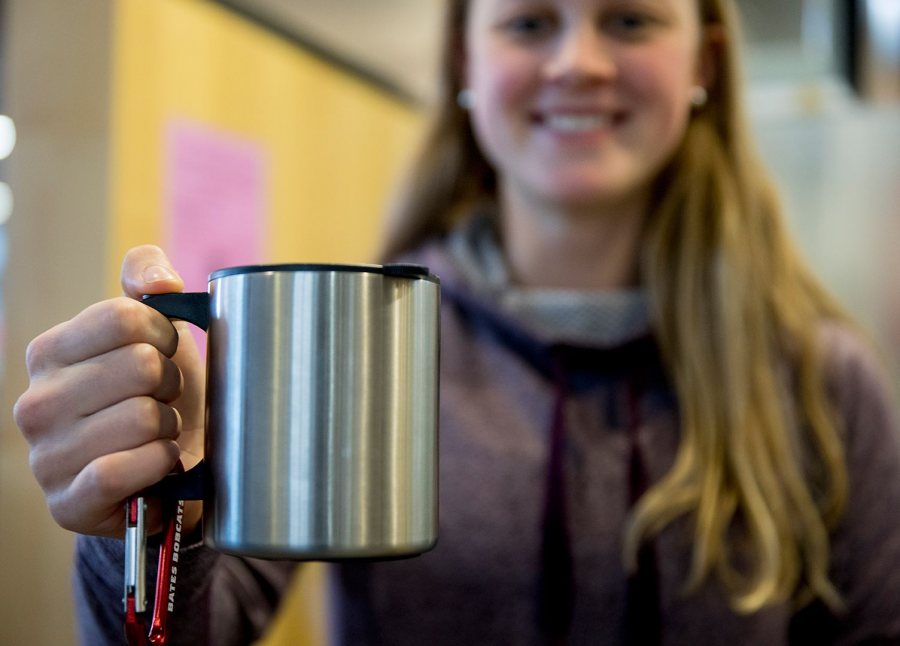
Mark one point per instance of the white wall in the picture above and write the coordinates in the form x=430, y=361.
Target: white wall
x=838, y=164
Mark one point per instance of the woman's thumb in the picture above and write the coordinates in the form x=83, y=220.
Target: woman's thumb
x=147, y=270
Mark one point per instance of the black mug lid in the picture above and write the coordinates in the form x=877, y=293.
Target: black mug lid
x=397, y=270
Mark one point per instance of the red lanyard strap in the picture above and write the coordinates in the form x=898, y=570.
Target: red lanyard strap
x=135, y=601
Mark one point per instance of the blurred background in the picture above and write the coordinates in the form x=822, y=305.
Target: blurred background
x=245, y=131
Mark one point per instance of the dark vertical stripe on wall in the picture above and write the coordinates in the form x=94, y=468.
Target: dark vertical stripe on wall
x=848, y=17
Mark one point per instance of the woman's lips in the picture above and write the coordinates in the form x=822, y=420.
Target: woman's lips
x=577, y=122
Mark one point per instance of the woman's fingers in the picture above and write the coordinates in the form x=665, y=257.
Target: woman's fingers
x=77, y=391
x=100, y=328
x=126, y=425
x=100, y=410
x=93, y=502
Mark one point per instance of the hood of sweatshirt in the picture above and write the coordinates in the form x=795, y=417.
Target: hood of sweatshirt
x=558, y=331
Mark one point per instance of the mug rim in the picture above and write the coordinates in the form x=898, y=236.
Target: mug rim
x=394, y=270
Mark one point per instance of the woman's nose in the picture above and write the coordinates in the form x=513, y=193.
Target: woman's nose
x=581, y=55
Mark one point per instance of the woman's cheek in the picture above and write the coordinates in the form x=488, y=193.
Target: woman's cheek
x=667, y=88
x=501, y=110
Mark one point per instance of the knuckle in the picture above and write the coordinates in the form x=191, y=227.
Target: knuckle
x=133, y=322
x=103, y=480
x=172, y=383
x=42, y=463
x=60, y=511
x=148, y=419
x=36, y=462
x=69, y=511
x=148, y=367
x=34, y=353
x=28, y=411
x=127, y=320
x=38, y=353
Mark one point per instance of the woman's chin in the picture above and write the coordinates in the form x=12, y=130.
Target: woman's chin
x=586, y=196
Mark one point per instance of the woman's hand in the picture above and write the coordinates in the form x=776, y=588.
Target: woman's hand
x=115, y=399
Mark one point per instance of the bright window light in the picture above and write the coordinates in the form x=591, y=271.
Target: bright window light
x=7, y=136
x=6, y=202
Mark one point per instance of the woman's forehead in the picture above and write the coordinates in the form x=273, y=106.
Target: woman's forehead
x=623, y=3
x=487, y=8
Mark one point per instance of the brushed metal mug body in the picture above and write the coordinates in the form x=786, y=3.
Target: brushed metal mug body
x=322, y=411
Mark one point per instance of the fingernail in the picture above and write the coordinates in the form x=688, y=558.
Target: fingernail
x=177, y=422
x=156, y=273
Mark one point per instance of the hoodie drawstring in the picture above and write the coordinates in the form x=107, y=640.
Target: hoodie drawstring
x=642, y=610
x=556, y=584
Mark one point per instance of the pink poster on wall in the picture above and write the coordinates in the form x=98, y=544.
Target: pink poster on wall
x=214, y=201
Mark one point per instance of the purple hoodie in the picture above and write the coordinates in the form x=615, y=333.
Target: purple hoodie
x=544, y=447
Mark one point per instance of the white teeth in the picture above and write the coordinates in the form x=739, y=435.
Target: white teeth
x=577, y=122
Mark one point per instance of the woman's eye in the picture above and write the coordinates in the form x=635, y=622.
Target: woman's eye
x=528, y=26
x=629, y=24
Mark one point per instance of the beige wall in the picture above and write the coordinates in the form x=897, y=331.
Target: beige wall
x=57, y=92
x=332, y=143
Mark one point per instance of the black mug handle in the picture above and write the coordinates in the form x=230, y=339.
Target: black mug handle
x=192, y=307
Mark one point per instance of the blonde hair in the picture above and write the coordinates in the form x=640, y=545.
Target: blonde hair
x=737, y=316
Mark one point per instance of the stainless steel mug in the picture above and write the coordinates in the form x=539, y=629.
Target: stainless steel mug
x=321, y=409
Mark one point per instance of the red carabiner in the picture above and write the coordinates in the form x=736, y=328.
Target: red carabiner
x=166, y=571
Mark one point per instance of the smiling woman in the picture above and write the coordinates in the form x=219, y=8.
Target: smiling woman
x=579, y=105
x=635, y=110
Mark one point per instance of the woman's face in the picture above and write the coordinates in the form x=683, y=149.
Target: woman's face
x=581, y=102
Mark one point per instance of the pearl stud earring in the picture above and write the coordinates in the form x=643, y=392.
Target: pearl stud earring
x=465, y=99
x=699, y=96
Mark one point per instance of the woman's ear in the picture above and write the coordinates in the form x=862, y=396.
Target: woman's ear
x=710, y=55
x=459, y=62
